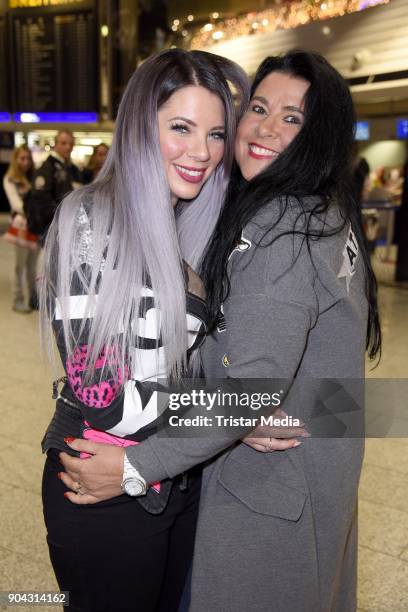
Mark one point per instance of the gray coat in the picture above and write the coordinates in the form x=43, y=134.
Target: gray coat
x=277, y=531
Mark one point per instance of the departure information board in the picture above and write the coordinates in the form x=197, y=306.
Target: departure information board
x=55, y=58
x=4, y=88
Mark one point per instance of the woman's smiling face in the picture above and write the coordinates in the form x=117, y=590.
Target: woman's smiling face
x=191, y=129
x=274, y=117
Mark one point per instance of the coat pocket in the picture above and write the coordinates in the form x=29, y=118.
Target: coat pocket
x=261, y=494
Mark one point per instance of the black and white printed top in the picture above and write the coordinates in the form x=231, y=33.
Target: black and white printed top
x=122, y=410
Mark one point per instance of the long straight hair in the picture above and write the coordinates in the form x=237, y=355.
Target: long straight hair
x=316, y=163
x=136, y=236
x=14, y=172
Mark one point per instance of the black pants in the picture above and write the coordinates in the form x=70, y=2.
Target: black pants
x=114, y=556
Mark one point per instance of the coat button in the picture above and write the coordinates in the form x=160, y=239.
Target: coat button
x=225, y=361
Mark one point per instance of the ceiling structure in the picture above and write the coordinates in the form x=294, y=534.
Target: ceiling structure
x=368, y=43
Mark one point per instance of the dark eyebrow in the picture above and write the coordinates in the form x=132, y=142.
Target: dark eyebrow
x=190, y=122
x=184, y=119
x=294, y=109
x=287, y=108
x=261, y=99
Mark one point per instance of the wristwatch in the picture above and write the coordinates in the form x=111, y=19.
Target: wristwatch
x=133, y=483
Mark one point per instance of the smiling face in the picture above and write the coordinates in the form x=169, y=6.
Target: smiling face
x=191, y=129
x=64, y=144
x=274, y=117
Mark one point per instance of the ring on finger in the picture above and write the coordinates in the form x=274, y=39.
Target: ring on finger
x=270, y=445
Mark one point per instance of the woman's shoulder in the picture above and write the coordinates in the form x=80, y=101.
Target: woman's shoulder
x=285, y=210
x=75, y=217
x=290, y=215
x=9, y=181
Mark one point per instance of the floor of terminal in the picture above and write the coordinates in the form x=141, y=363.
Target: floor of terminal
x=26, y=407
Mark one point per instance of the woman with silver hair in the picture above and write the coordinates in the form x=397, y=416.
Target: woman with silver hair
x=126, y=309
x=293, y=302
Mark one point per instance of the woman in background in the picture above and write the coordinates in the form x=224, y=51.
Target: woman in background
x=96, y=161
x=16, y=184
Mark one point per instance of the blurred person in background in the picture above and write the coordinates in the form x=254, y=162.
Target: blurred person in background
x=57, y=177
x=361, y=184
x=402, y=231
x=17, y=184
x=361, y=179
x=379, y=192
x=95, y=163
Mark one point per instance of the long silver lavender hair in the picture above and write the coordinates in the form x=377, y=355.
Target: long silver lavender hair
x=135, y=233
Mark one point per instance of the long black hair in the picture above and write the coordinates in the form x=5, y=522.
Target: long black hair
x=316, y=163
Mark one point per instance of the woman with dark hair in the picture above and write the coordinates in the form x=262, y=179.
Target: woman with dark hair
x=299, y=304
x=96, y=161
x=126, y=309
x=288, y=270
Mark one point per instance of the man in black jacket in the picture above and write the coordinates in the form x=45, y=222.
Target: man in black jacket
x=52, y=182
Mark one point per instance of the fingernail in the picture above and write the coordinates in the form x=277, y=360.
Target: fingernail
x=306, y=434
x=66, y=494
x=59, y=475
x=297, y=443
x=69, y=440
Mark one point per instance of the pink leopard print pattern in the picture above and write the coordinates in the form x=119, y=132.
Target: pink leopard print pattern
x=101, y=394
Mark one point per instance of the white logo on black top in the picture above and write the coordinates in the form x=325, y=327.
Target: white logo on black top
x=39, y=182
x=350, y=256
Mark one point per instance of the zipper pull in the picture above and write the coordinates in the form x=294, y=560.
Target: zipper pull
x=184, y=482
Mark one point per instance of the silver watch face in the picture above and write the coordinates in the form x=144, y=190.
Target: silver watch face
x=134, y=486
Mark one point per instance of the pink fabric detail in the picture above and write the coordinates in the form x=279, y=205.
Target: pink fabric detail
x=99, y=395
x=102, y=437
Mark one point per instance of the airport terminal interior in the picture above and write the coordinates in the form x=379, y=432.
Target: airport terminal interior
x=367, y=42
x=27, y=405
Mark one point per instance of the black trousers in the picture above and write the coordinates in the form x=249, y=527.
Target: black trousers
x=114, y=556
